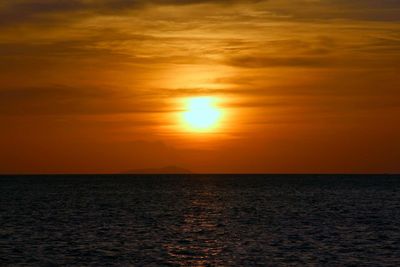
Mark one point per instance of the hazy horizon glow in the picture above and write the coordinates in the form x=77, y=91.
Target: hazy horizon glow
x=292, y=86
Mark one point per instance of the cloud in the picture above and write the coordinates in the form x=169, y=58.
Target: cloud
x=382, y=45
x=372, y=10
x=19, y=11
x=64, y=100
x=48, y=12
x=254, y=61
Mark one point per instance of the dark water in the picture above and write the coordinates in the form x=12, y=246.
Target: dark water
x=203, y=220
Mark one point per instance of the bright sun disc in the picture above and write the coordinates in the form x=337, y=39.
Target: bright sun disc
x=202, y=114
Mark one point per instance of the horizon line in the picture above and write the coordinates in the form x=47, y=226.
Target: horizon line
x=196, y=174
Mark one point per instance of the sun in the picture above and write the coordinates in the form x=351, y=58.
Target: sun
x=202, y=114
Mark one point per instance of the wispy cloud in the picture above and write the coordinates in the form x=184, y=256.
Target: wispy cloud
x=66, y=100
x=283, y=69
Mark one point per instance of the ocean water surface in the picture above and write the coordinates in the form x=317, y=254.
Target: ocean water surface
x=200, y=220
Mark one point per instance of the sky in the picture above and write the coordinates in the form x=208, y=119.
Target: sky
x=287, y=86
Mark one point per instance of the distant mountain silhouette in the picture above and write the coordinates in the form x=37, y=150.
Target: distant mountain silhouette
x=163, y=170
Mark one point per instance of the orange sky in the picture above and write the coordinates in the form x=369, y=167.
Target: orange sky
x=309, y=86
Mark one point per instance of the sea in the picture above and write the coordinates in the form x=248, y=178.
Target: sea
x=200, y=220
